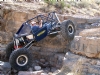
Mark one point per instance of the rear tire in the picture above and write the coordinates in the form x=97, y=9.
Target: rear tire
x=21, y=59
x=68, y=30
x=9, y=49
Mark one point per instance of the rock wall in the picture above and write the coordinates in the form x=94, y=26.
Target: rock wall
x=79, y=65
x=12, y=17
x=86, y=42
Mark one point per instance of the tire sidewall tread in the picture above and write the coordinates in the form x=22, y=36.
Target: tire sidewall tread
x=9, y=49
x=64, y=30
x=15, y=54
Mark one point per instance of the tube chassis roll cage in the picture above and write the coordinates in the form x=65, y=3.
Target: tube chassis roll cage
x=46, y=17
x=52, y=17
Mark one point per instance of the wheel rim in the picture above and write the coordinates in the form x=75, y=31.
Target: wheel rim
x=22, y=60
x=70, y=29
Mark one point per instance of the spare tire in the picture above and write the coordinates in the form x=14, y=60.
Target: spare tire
x=21, y=59
x=68, y=30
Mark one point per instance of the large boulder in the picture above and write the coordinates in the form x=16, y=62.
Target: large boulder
x=5, y=68
x=87, y=43
x=79, y=65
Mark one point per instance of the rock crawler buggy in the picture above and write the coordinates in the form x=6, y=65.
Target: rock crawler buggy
x=18, y=52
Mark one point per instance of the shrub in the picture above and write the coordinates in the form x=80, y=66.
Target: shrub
x=83, y=4
x=50, y=2
x=68, y=5
x=60, y=4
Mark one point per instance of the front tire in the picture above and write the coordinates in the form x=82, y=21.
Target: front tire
x=21, y=59
x=68, y=30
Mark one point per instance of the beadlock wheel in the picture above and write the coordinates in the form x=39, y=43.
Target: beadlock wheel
x=22, y=60
x=70, y=29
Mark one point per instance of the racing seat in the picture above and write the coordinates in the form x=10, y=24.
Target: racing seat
x=41, y=33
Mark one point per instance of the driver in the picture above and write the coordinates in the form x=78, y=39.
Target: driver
x=35, y=26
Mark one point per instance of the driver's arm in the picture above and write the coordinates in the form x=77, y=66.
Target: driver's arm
x=40, y=24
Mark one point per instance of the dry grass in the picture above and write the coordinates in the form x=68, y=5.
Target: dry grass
x=60, y=4
x=85, y=7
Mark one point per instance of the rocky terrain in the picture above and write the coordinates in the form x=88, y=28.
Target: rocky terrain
x=53, y=57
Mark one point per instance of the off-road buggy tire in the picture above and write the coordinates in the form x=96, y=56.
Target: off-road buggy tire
x=68, y=30
x=21, y=59
x=9, y=49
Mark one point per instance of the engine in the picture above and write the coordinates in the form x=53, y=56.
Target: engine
x=19, y=42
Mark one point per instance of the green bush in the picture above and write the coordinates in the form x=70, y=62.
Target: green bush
x=68, y=5
x=60, y=4
x=50, y=2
